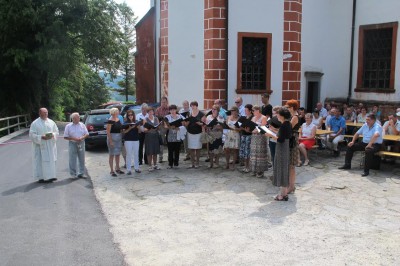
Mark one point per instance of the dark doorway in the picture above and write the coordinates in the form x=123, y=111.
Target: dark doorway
x=312, y=95
x=313, y=81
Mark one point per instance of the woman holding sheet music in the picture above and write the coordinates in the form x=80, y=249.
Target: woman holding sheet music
x=173, y=124
x=258, y=150
x=152, y=139
x=245, y=139
x=281, y=162
x=214, y=129
x=232, y=140
x=292, y=106
x=194, y=129
x=131, y=137
x=114, y=141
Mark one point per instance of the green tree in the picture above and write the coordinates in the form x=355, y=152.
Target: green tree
x=127, y=21
x=45, y=42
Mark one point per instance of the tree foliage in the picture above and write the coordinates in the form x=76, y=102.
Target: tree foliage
x=49, y=49
x=127, y=21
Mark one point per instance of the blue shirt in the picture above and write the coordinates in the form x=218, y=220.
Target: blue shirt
x=222, y=113
x=368, y=132
x=337, y=123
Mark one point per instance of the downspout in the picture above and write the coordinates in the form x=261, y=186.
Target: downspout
x=352, y=50
x=155, y=50
x=227, y=53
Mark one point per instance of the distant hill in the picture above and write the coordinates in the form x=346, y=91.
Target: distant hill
x=113, y=84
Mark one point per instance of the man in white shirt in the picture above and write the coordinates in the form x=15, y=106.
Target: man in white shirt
x=322, y=111
x=43, y=133
x=240, y=106
x=392, y=125
x=76, y=133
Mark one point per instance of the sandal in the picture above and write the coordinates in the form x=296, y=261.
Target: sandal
x=281, y=198
x=120, y=172
x=292, y=191
x=306, y=162
x=137, y=171
x=112, y=173
x=191, y=167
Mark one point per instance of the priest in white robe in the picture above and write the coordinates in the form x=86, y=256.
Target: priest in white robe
x=43, y=133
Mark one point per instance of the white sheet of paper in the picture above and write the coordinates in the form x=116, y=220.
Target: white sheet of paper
x=268, y=130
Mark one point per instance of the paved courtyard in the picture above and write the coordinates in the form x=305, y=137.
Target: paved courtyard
x=224, y=217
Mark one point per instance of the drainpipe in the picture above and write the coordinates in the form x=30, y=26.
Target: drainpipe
x=352, y=50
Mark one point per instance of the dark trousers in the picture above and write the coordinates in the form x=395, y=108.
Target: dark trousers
x=272, y=147
x=369, y=153
x=141, y=146
x=173, y=153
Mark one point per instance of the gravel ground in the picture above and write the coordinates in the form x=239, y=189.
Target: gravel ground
x=223, y=217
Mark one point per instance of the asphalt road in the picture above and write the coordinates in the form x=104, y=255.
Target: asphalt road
x=50, y=224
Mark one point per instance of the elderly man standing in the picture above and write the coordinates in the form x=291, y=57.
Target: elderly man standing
x=76, y=133
x=43, y=133
x=240, y=106
x=371, y=143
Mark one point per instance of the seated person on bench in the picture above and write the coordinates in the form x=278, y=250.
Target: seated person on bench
x=371, y=144
x=337, y=124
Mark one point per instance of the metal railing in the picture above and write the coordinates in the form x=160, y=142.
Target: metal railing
x=14, y=122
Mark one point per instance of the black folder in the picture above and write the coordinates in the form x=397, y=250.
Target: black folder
x=150, y=126
x=176, y=123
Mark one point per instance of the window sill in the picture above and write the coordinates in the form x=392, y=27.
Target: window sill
x=239, y=91
x=375, y=90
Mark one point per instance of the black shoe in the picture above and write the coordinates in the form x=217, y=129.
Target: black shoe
x=336, y=153
x=321, y=148
x=366, y=173
x=207, y=160
x=41, y=181
x=80, y=176
x=345, y=167
x=51, y=180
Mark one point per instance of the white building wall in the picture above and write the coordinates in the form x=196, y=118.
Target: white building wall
x=326, y=42
x=377, y=12
x=186, y=51
x=260, y=16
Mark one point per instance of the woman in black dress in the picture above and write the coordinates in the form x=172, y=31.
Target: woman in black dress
x=281, y=162
x=151, y=140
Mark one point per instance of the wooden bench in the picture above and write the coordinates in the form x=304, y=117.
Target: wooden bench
x=388, y=153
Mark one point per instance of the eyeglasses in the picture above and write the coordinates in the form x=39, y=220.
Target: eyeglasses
x=130, y=115
x=237, y=102
x=214, y=109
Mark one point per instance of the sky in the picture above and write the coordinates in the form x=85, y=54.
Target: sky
x=139, y=7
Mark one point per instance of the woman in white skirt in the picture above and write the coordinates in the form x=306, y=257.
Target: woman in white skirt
x=232, y=140
x=194, y=129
